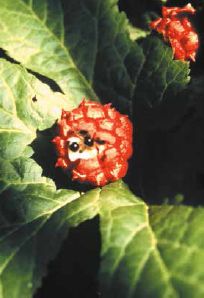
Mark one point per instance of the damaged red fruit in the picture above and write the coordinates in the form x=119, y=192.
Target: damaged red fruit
x=178, y=30
x=94, y=143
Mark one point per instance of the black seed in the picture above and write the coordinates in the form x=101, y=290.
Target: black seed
x=88, y=141
x=100, y=142
x=83, y=132
x=74, y=147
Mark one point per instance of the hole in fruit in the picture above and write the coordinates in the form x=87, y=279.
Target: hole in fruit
x=45, y=156
x=34, y=99
x=100, y=142
x=83, y=132
x=88, y=141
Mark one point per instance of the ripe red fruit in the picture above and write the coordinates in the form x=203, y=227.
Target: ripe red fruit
x=94, y=143
x=178, y=30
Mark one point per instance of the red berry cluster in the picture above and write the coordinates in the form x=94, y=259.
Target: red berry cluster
x=94, y=143
x=178, y=30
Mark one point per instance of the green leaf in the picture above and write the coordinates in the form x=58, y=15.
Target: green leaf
x=136, y=33
x=160, y=98
x=33, y=33
x=25, y=106
x=87, y=48
x=179, y=233
x=84, y=46
x=163, y=76
x=143, y=72
x=156, y=255
x=126, y=240
x=35, y=218
x=111, y=60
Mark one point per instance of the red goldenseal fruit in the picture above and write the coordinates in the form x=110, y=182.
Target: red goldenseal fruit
x=178, y=30
x=94, y=143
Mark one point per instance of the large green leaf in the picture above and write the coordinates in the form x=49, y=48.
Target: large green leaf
x=33, y=33
x=34, y=216
x=179, y=233
x=110, y=60
x=160, y=98
x=25, y=106
x=126, y=240
x=85, y=47
x=34, y=219
x=161, y=77
x=150, y=255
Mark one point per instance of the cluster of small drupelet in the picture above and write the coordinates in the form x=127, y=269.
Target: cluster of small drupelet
x=94, y=142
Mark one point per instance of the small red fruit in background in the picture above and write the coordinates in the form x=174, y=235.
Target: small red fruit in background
x=94, y=143
x=178, y=30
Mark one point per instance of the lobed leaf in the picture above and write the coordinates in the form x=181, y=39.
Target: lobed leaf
x=32, y=33
x=90, y=52
x=163, y=76
x=159, y=254
x=34, y=216
x=26, y=105
x=34, y=220
x=160, y=98
x=85, y=47
x=109, y=59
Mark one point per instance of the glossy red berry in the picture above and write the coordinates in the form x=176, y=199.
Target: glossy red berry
x=178, y=30
x=94, y=143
